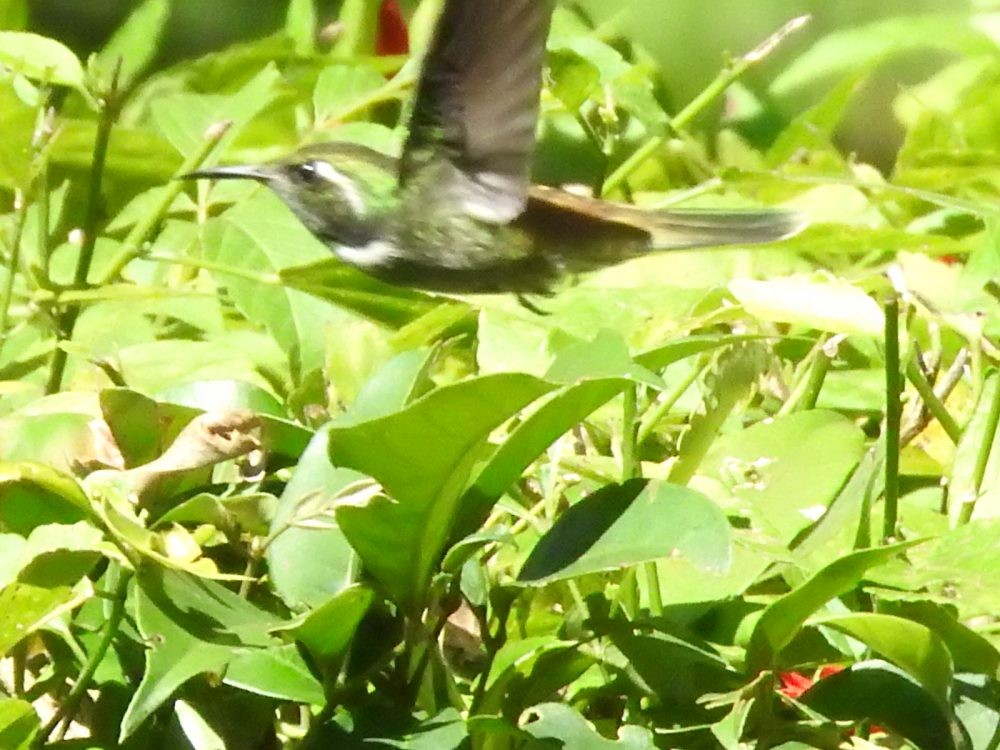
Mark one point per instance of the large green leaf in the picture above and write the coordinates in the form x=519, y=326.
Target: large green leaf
x=878, y=692
x=909, y=645
x=279, y=672
x=784, y=617
x=965, y=559
x=327, y=630
x=422, y=457
x=184, y=118
x=193, y=626
x=594, y=386
x=260, y=235
x=309, y=560
x=783, y=473
x=623, y=525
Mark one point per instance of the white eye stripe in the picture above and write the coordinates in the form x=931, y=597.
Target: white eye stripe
x=325, y=170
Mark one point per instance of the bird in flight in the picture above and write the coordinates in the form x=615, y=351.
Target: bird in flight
x=457, y=212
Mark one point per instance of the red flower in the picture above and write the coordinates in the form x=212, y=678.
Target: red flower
x=794, y=684
x=392, y=37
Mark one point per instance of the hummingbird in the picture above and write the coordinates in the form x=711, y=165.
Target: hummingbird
x=457, y=212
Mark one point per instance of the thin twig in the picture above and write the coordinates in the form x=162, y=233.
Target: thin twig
x=69, y=706
x=729, y=75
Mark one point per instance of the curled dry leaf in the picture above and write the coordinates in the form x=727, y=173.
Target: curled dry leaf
x=209, y=439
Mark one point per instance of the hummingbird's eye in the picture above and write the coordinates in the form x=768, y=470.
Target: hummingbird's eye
x=307, y=171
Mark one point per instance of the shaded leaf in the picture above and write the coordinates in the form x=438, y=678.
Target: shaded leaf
x=622, y=525
x=878, y=692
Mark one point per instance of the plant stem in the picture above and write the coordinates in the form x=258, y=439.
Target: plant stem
x=67, y=321
x=69, y=707
x=893, y=415
x=132, y=245
x=268, y=279
x=630, y=433
x=653, y=415
x=12, y=266
x=983, y=455
x=916, y=375
x=729, y=75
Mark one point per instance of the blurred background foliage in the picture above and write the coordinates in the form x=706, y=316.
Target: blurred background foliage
x=687, y=39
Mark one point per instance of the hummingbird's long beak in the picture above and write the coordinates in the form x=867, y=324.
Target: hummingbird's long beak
x=239, y=172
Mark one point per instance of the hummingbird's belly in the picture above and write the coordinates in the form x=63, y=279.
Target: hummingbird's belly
x=463, y=256
x=529, y=275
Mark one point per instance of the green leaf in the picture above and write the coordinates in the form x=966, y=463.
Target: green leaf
x=909, y=645
x=422, y=457
x=977, y=709
x=970, y=651
x=850, y=48
x=262, y=235
x=607, y=356
x=193, y=626
x=13, y=14
x=784, y=617
x=278, y=672
x=343, y=91
x=623, y=525
x=33, y=495
x=26, y=607
x=965, y=559
x=813, y=130
x=18, y=724
x=555, y=417
x=41, y=59
x=391, y=388
x=336, y=282
x=183, y=118
x=446, y=731
x=785, y=472
x=878, y=692
x=159, y=365
x=309, y=559
x=555, y=721
x=196, y=729
x=136, y=41
x=658, y=658
x=327, y=630
x=359, y=19
x=55, y=439
x=834, y=306
x=572, y=78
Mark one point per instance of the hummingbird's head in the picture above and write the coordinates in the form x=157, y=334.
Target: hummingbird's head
x=341, y=192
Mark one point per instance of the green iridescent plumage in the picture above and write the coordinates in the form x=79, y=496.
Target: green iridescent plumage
x=457, y=211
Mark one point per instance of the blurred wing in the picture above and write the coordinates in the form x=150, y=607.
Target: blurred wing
x=477, y=105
